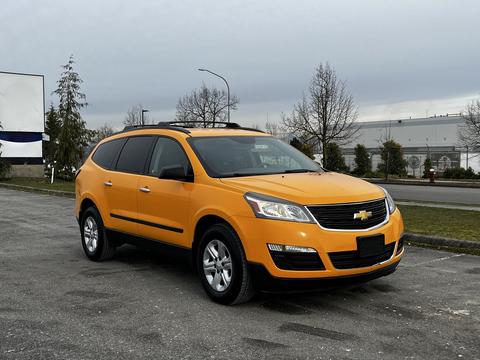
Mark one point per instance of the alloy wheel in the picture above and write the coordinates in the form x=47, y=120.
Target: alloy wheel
x=90, y=234
x=217, y=265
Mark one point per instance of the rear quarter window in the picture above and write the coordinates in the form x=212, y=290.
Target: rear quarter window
x=133, y=157
x=107, y=152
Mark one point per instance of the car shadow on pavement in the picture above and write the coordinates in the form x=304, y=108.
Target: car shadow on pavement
x=176, y=267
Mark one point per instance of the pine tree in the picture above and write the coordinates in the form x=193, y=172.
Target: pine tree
x=362, y=160
x=392, y=159
x=427, y=165
x=307, y=149
x=52, y=129
x=334, y=158
x=73, y=133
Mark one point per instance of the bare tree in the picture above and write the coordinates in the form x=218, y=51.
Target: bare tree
x=469, y=133
x=134, y=116
x=101, y=133
x=326, y=113
x=272, y=128
x=204, y=105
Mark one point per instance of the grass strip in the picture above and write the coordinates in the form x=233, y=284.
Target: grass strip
x=449, y=223
x=42, y=183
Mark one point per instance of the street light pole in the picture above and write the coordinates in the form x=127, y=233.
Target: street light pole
x=143, y=112
x=228, y=90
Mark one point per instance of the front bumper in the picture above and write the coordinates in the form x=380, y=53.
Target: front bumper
x=265, y=282
x=257, y=233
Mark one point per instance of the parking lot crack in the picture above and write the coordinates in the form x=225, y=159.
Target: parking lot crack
x=316, y=331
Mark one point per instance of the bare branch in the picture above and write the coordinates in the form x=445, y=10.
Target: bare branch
x=134, y=116
x=205, y=104
x=326, y=114
x=469, y=133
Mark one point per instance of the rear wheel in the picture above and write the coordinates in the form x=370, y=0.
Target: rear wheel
x=222, y=266
x=95, y=243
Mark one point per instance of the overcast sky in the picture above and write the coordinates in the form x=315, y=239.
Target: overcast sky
x=399, y=58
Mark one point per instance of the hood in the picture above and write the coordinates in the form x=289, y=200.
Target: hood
x=309, y=188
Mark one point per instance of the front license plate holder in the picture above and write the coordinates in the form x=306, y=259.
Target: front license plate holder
x=372, y=245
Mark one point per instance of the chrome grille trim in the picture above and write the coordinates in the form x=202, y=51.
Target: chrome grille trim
x=385, y=221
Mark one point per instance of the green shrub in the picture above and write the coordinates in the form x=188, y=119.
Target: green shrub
x=5, y=168
x=460, y=173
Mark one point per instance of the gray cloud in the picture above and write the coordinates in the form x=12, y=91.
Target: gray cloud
x=148, y=51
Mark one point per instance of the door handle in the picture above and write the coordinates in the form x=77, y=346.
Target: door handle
x=144, y=189
x=107, y=183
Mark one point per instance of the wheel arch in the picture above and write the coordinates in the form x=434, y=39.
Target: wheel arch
x=202, y=225
x=84, y=205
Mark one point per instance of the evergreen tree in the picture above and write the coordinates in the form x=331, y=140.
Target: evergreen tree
x=73, y=134
x=362, y=160
x=52, y=129
x=427, y=165
x=334, y=158
x=307, y=149
x=393, y=162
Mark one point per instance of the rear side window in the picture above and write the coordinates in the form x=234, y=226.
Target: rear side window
x=134, y=154
x=107, y=152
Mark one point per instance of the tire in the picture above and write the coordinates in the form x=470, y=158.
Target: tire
x=98, y=248
x=226, y=282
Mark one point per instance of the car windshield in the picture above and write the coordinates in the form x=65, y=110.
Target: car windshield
x=232, y=156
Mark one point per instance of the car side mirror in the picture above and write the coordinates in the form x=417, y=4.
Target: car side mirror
x=175, y=172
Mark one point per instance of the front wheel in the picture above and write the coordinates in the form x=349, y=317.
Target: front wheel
x=222, y=266
x=95, y=243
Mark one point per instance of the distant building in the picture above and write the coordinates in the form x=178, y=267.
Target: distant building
x=435, y=137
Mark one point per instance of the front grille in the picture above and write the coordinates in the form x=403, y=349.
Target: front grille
x=351, y=259
x=341, y=217
x=297, y=261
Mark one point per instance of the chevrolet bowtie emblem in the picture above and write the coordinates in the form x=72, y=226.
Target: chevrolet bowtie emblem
x=362, y=215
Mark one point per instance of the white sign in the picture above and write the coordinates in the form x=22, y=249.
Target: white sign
x=21, y=102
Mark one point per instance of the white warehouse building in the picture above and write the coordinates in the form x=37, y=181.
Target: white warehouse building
x=435, y=137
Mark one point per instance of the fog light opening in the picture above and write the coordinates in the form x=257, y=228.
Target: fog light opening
x=290, y=248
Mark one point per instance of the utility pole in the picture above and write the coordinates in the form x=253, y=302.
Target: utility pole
x=142, y=117
x=467, y=155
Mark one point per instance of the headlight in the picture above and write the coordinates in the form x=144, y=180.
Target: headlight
x=390, y=202
x=278, y=209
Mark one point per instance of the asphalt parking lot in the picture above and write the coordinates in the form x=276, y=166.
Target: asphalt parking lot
x=55, y=304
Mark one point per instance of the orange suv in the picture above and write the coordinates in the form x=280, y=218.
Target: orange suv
x=251, y=211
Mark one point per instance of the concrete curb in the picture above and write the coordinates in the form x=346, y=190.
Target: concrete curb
x=60, y=193
x=473, y=185
x=438, y=205
x=441, y=241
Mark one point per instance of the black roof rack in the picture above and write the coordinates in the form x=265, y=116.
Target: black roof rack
x=193, y=123
x=183, y=126
x=156, y=126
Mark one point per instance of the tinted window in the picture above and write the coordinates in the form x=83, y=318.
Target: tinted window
x=107, y=152
x=134, y=154
x=229, y=156
x=167, y=153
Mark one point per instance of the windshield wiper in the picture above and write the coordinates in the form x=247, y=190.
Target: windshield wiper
x=237, y=174
x=293, y=171
x=289, y=171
